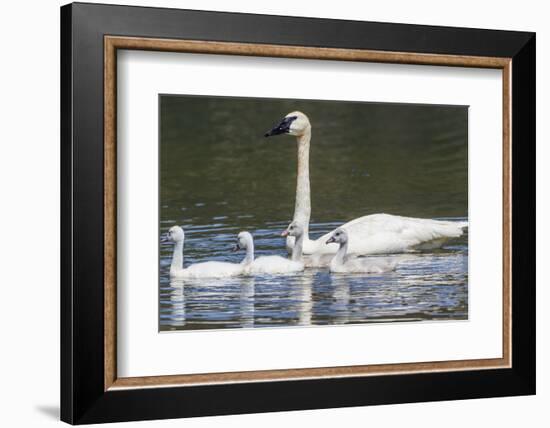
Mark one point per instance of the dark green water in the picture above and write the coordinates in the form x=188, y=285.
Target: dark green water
x=219, y=175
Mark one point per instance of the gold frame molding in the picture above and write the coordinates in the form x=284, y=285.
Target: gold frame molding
x=113, y=43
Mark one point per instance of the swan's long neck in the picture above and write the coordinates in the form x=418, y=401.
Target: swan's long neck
x=302, y=207
x=249, y=258
x=177, y=257
x=340, y=256
x=297, y=249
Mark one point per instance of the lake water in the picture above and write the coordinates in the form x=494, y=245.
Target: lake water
x=219, y=176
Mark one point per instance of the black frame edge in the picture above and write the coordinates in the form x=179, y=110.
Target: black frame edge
x=66, y=130
x=296, y=30
x=524, y=213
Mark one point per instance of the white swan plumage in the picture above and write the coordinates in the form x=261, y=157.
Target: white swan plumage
x=370, y=234
x=342, y=263
x=273, y=265
x=385, y=233
x=211, y=269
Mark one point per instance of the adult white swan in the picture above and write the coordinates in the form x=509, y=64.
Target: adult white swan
x=371, y=234
x=273, y=264
x=212, y=269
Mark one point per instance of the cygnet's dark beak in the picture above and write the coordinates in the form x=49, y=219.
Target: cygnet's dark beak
x=330, y=240
x=237, y=247
x=165, y=238
x=284, y=233
x=282, y=127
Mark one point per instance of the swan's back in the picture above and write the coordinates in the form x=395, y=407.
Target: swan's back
x=385, y=233
x=274, y=265
x=317, y=260
x=211, y=269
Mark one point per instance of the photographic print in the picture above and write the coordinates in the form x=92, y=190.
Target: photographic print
x=287, y=212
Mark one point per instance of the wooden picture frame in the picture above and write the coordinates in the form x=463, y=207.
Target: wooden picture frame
x=91, y=390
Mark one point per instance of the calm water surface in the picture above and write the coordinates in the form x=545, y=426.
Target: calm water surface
x=219, y=176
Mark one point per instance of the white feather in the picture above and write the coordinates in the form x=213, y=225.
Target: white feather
x=272, y=264
x=385, y=233
x=212, y=269
x=343, y=263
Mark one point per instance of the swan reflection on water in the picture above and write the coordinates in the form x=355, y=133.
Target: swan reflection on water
x=172, y=305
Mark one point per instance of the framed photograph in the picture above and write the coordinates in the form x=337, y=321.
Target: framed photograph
x=265, y=213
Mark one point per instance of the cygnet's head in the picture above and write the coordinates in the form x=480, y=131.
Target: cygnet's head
x=295, y=123
x=339, y=236
x=244, y=239
x=294, y=229
x=175, y=234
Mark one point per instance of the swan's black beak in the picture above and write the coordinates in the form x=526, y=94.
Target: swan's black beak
x=330, y=240
x=165, y=238
x=282, y=127
x=237, y=247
